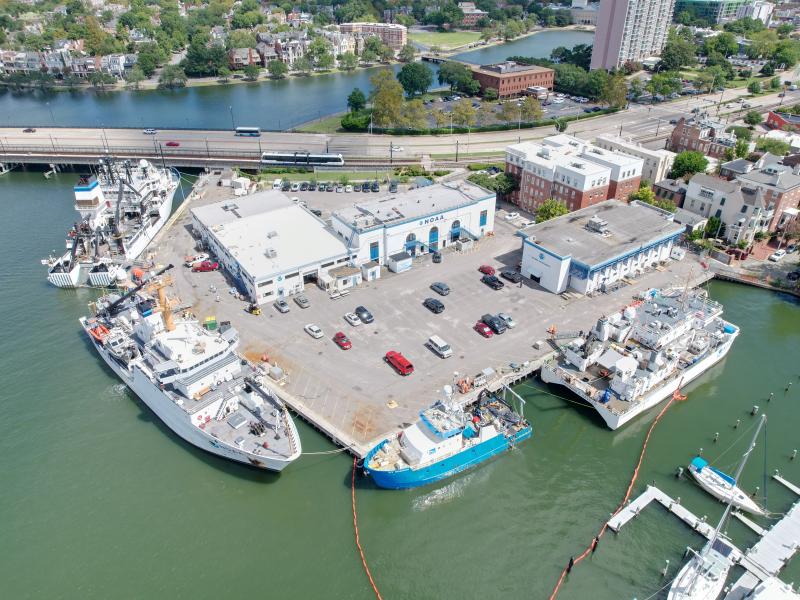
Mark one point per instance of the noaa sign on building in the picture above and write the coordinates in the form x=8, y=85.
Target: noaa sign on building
x=431, y=220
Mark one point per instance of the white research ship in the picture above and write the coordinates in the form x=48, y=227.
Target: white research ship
x=637, y=357
x=191, y=378
x=122, y=207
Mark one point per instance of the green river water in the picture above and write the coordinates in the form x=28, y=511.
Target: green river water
x=99, y=500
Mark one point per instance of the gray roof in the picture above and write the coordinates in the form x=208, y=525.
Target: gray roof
x=739, y=165
x=715, y=183
x=686, y=217
x=778, y=176
x=629, y=227
x=413, y=204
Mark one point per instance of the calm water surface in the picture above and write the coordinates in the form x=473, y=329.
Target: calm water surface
x=273, y=105
x=99, y=500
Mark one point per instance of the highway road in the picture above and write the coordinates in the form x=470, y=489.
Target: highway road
x=646, y=123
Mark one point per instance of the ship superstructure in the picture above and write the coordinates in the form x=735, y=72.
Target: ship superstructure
x=635, y=358
x=122, y=207
x=193, y=379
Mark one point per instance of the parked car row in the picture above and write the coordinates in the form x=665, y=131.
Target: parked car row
x=325, y=186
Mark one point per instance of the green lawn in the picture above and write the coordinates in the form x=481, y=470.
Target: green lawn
x=445, y=39
x=332, y=124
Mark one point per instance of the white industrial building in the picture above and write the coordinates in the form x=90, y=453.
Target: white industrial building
x=424, y=219
x=593, y=248
x=270, y=246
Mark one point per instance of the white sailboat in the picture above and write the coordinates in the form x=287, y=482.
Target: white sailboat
x=703, y=577
x=722, y=486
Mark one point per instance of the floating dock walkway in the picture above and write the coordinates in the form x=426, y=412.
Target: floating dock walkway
x=761, y=562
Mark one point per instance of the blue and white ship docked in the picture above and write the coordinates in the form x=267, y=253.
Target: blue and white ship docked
x=446, y=440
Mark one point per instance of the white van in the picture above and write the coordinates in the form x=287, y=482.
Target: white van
x=276, y=185
x=439, y=346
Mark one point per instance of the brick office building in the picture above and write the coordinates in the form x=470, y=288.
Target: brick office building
x=571, y=170
x=512, y=79
x=784, y=121
x=706, y=136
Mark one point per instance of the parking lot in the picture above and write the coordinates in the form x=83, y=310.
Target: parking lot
x=556, y=105
x=353, y=392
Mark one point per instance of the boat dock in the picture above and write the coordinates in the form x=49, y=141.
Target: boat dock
x=774, y=550
x=761, y=562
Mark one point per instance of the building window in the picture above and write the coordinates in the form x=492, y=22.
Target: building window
x=482, y=221
x=374, y=251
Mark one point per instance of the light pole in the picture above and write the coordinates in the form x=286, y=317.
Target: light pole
x=391, y=153
x=50, y=108
x=456, y=150
x=233, y=121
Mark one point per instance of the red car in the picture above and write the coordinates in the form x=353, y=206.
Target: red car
x=173, y=144
x=342, y=341
x=205, y=266
x=486, y=269
x=399, y=363
x=483, y=329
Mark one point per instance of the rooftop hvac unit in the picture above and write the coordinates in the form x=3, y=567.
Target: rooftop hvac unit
x=272, y=234
x=270, y=253
x=598, y=225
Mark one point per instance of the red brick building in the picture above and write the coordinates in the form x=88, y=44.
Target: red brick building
x=706, y=136
x=783, y=121
x=568, y=169
x=512, y=79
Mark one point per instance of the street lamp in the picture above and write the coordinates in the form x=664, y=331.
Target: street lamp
x=233, y=122
x=50, y=108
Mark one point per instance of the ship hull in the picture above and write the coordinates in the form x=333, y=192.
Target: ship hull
x=411, y=478
x=147, y=234
x=652, y=398
x=179, y=421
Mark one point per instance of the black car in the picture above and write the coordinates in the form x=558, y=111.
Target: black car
x=357, y=187
x=492, y=281
x=363, y=314
x=393, y=187
x=376, y=187
x=437, y=257
x=433, y=305
x=286, y=186
x=304, y=186
x=330, y=187
x=365, y=188
x=793, y=276
x=312, y=187
x=512, y=276
x=316, y=211
x=496, y=324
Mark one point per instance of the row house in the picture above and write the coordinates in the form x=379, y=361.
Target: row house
x=19, y=62
x=298, y=19
x=706, y=136
x=341, y=43
x=742, y=208
x=393, y=35
x=571, y=170
x=117, y=64
x=239, y=58
x=286, y=47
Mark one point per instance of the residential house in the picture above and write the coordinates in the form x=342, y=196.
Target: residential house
x=117, y=64
x=783, y=120
x=673, y=190
x=780, y=185
x=139, y=37
x=218, y=36
x=239, y=58
x=706, y=136
x=394, y=36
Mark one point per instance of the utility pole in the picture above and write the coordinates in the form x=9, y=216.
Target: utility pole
x=391, y=153
x=208, y=152
x=456, y=150
x=233, y=121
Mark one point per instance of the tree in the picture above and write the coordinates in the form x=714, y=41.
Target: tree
x=636, y=88
x=550, y=209
x=368, y=57
x=725, y=43
x=531, y=109
x=407, y=53
x=742, y=149
x=645, y=194
x=101, y=80
x=277, y=69
x=561, y=125
x=172, y=76
x=688, y=162
x=715, y=228
x=440, y=118
x=768, y=70
x=753, y=117
x=615, y=91
x=415, y=78
x=150, y=57
x=464, y=113
x=510, y=112
x=490, y=94
x=224, y=74
x=458, y=77
x=348, y=61
x=251, y=72
x=387, y=99
x=302, y=65
x=777, y=147
x=754, y=87
x=202, y=60
x=414, y=115
x=135, y=76
x=678, y=52
x=775, y=83
x=356, y=101
x=241, y=38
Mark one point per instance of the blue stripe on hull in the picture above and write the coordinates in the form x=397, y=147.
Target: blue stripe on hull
x=410, y=478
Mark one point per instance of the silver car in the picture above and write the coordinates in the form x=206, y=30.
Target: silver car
x=353, y=319
x=507, y=319
x=282, y=306
x=440, y=288
x=302, y=301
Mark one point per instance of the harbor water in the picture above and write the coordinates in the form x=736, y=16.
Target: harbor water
x=275, y=105
x=99, y=500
